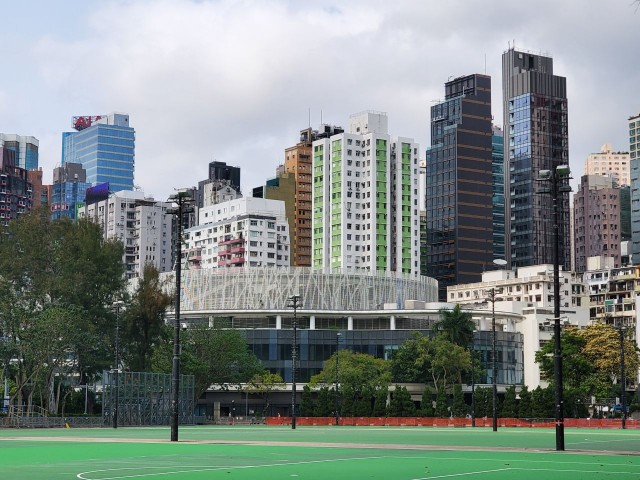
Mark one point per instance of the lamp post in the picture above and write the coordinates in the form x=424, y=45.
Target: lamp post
x=473, y=381
x=558, y=180
x=337, y=394
x=182, y=199
x=294, y=302
x=494, y=369
x=623, y=378
x=117, y=305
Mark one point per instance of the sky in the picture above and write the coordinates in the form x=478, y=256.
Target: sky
x=236, y=80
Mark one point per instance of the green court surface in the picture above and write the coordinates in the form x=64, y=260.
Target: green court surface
x=313, y=453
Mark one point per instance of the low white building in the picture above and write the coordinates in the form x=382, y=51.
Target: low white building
x=142, y=224
x=529, y=294
x=244, y=232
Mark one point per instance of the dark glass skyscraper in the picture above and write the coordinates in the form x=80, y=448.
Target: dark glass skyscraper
x=459, y=214
x=535, y=138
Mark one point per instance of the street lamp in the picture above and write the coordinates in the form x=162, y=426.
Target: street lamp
x=494, y=375
x=294, y=302
x=473, y=380
x=182, y=198
x=558, y=180
x=623, y=378
x=116, y=306
x=337, y=358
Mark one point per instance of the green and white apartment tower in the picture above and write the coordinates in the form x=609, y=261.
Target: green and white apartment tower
x=365, y=199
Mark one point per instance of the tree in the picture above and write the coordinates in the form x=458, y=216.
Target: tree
x=456, y=325
x=602, y=348
x=213, y=356
x=380, y=404
x=524, y=407
x=442, y=404
x=357, y=373
x=576, y=367
x=483, y=402
x=307, y=405
x=401, y=403
x=542, y=401
x=67, y=265
x=458, y=407
x=437, y=361
x=326, y=402
x=264, y=383
x=509, y=407
x=426, y=405
x=144, y=320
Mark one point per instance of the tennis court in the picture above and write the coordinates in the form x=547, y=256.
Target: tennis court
x=252, y=452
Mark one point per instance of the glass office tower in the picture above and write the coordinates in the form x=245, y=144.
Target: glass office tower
x=535, y=138
x=105, y=147
x=497, y=166
x=458, y=201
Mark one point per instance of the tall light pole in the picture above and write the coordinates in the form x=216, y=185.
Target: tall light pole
x=294, y=302
x=494, y=363
x=337, y=395
x=558, y=181
x=182, y=199
x=117, y=306
x=473, y=380
x=623, y=378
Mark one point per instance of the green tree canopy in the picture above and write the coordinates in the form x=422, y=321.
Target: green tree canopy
x=456, y=325
x=357, y=372
x=213, y=356
x=144, y=326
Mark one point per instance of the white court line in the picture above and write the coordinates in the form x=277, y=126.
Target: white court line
x=81, y=475
x=465, y=473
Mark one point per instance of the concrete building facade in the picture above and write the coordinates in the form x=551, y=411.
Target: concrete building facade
x=634, y=163
x=365, y=199
x=609, y=163
x=597, y=220
x=245, y=232
x=140, y=223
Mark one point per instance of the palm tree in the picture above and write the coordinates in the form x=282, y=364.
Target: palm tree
x=456, y=325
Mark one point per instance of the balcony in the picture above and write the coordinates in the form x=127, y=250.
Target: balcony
x=236, y=261
x=232, y=241
x=237, y=250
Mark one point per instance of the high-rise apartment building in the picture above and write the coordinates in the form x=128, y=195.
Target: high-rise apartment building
x=26, y=149
x=609, y=163
x=535, y=139
x=105, y=147
x=68, y=190
x=245, y=232
x=459, y=184
x=365, y=199
x=597, y=228
x=298, y=163
x=140, y=223
x=634, y=163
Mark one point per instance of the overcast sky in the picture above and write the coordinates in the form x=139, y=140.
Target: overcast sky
x=234, y=81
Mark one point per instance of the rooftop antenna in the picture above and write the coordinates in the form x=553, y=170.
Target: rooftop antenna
x=320, y=116
x=309, y=117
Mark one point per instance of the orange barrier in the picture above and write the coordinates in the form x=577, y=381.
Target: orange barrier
x=452, y=422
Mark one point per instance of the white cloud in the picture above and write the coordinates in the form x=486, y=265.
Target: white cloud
x=233, y=80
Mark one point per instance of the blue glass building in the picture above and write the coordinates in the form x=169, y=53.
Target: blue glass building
x=68, y=190
x=26, y=149
x=497, y=166
x=105, y=147
x=535, y=138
